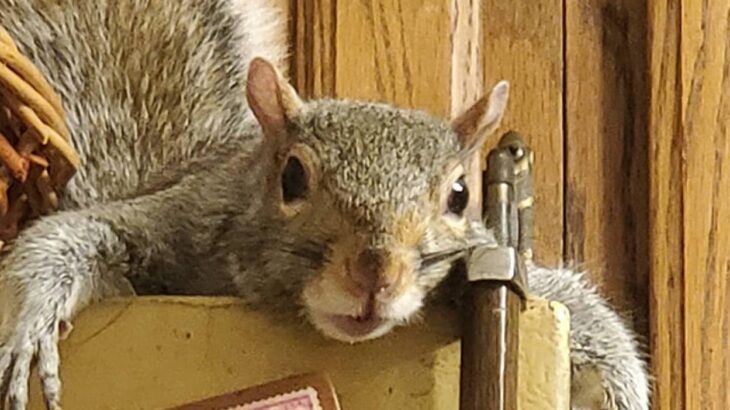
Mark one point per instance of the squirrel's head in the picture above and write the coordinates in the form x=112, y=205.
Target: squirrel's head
x=375, y=200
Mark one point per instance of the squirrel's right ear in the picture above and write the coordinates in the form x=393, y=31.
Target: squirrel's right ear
x=475, y=124
x=271, y=98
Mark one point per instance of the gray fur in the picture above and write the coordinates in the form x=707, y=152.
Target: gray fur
x=600, y=341
x=175, y=192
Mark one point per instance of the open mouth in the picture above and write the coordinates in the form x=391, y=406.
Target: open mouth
x=355, y=326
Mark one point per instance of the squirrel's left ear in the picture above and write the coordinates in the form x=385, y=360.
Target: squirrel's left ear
x=271, y=98
x=474, y=125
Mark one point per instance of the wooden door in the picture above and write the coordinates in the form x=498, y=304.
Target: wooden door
x=623, y=102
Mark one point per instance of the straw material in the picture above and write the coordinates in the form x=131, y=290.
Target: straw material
x=36, y=157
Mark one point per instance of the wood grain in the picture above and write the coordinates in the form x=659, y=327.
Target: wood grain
x=523, y=44
x=377, y=50
x=395, y=51
x=466, y=80
x=666, y=253
x=466, y=55
x=606, y=146
x=705, y=115
x=690, y=187
x=313, y=36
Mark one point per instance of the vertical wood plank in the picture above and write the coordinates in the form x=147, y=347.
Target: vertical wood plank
x=666, y=230
x=314, y=54
x=466, y=79
x=466, y=55
x=690, y=300
x=706, y=114
x=606, y=176
x=523, y=44
x=395, y=51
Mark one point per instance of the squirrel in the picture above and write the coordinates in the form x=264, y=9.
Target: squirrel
x=204, y=173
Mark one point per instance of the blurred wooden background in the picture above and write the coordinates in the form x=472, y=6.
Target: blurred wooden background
x=624, y=102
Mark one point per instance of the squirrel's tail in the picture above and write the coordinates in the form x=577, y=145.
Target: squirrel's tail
x=263, y=30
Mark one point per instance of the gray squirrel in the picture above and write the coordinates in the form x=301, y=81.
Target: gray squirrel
x=204, y=173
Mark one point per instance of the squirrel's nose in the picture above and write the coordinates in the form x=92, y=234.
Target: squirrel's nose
x=368, y=271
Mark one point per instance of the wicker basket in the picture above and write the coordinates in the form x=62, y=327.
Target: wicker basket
x=36, y=157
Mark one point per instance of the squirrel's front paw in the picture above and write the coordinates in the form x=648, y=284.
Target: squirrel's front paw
x=34, y=334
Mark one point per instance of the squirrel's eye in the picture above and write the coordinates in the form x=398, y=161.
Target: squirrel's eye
x=459, y=197
x=293, y=180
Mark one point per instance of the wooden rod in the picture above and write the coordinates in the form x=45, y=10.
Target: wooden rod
x=489, y=348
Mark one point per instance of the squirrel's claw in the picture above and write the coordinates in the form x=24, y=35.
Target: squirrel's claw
x=18, y=386
x=6, y=359
x=16, y=360
x=48, y=365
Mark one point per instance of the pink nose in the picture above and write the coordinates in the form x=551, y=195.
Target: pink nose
x=368, y=271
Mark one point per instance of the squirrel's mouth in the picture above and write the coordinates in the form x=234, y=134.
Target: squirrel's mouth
x=350, y=328
x=352, y=318
x=355, y=326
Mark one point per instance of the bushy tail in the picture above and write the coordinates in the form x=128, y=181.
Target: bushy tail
x=609, y=367
x=264, y=30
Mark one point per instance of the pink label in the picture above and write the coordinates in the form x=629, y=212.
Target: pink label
x=305, y=399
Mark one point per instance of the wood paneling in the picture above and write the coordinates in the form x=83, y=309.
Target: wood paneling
x=313, y=31
x=690, y=187
x=466, y=55
x=395, y=51
x=377, y=50
x=667, y=207
x=523, y=44
x=706, y=114
x=465, y=86
x=606, y=177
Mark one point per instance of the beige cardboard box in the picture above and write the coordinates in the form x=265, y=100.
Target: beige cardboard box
x=151, y=353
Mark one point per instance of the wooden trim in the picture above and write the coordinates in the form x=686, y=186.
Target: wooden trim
x=466, y=80
x=666, y=171
x=466, y=55
x=690, y=218
x=705, y=69
x=314, y=39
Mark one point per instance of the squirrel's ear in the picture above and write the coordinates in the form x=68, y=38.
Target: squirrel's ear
x=475, y=124
x=271, y=98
